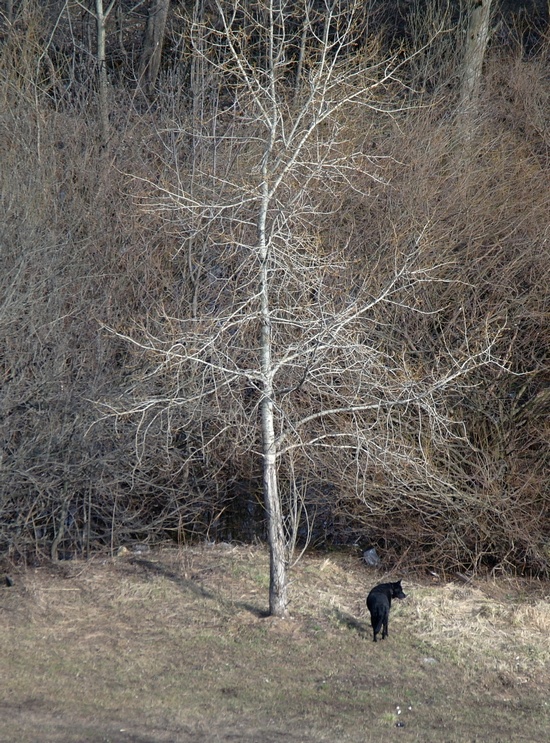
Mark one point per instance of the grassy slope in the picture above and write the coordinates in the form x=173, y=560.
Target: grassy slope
x=174, y=646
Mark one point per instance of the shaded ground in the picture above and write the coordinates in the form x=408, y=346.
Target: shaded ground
x=175, y=646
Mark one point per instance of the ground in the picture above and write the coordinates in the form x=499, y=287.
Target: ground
x=174, y=646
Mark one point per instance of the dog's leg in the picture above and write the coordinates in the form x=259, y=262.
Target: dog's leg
x=385, y=623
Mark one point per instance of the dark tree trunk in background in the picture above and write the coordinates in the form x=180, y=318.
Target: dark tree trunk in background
x=476, y=44
x=152, y=44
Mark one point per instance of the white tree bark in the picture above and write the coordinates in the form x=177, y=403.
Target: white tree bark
x=278, y=557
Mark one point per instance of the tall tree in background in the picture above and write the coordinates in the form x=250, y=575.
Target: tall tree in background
x=477, y=37
x=101, y=16
x=152, y=44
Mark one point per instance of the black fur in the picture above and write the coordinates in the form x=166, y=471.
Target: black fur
x=379, y=602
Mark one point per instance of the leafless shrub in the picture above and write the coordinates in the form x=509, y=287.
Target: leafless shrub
x=464, y=488
x=489, y=228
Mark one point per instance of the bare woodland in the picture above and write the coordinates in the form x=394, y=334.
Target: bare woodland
x=256, y=282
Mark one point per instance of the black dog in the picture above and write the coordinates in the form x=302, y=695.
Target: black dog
x=379, y=602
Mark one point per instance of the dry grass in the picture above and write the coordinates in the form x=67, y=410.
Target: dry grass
x=175, y=646
x=492, y=629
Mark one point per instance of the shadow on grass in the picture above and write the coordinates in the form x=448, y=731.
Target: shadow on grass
x=191, y=585
x=349, y=621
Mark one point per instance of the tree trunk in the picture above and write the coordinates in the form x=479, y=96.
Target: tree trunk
x=476, y=44
x=278, y=599
x=278, y=595
x=152, y=44
x=103, y=94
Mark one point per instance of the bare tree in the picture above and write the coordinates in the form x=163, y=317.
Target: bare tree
x=286, y=353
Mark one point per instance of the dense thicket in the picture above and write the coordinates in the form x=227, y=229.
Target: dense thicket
x=102, y=441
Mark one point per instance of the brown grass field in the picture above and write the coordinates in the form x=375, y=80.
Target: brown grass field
x=175, y=646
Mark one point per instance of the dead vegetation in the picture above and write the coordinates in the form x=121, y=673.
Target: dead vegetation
x=85, y=255
x=175, y=646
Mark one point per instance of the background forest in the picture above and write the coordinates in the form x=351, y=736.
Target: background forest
x=409, y=237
